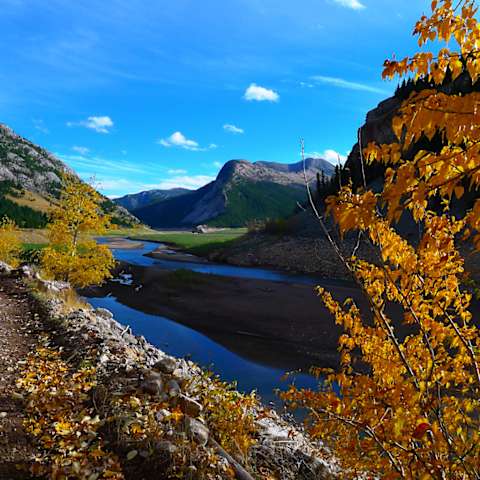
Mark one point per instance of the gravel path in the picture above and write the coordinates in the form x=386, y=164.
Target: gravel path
x=17, y=339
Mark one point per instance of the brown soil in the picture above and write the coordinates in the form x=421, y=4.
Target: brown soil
x=294, y=254
x=18, y=325
x=278, y=324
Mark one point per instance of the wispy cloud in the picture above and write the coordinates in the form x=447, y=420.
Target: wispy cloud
x=178, y=171
x=353, y=4
x=346, y=84
x=81, y=150
x=40, y=126
x=94, y=165
x=178, y=139
x=191, y=182
x=228, y=127
x=329, y=155
x=116, y=187
x=260, y=94
x=101, y=124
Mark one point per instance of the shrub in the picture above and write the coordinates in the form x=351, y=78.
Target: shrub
x=10, y=246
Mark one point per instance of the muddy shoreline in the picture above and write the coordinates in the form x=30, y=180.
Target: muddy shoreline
x=276, y=324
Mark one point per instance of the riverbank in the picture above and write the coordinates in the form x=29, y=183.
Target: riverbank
x=296, y=254
x=140, y=414
x=278, y=324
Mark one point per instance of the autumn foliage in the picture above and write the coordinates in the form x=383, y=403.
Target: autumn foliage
x=73, y=255
x=10, y=245
x=409, y=401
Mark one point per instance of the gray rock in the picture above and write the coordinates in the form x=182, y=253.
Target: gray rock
x=197, y=431
x=5, y=268
x=152, y=384
x=162, y=415
x=165, y=447
x=181, y=375
x=27, y=271
x=173, y=388
x=166, y=365
x=104, y=313
x=103, y=358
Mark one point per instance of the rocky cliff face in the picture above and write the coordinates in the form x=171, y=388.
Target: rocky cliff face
x=34, y=176
x=280, y=173
x=377, y=128
x=28, y=165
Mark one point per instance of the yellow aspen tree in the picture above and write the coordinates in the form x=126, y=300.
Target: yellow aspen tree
x=72, y=254
x=405, y=403
x=10, y=245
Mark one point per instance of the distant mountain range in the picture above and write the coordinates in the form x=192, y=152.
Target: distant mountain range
x=31, y=181
x=243, y=191
x=143, y=199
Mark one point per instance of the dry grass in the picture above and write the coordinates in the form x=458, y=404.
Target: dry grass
x=33, y=236
x=33, y=200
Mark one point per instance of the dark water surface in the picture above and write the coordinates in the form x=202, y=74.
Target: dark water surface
x=181, y=341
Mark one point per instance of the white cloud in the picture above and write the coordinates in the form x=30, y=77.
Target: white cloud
x=260, y=94
x=178, y=139
x=178, y=171
x=191, y=182
x=233, y=129
x=99, y=124
x=341, y=83
x=329, y=155
x=81, y=150
x=353, y=4
x=217, y=164
x=116, y=187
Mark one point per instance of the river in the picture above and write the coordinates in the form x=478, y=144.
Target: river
x=182, y=341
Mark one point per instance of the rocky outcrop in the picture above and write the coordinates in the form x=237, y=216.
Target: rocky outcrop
x=377, y=128
x=27, y=167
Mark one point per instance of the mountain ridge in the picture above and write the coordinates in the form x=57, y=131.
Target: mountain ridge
x=243, y=191
x=31, y=182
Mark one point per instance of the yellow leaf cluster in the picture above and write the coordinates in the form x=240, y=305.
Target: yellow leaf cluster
x=10, y=244
x=59, y=415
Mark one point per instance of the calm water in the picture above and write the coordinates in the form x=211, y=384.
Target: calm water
x=182, y=341
x=136, y=257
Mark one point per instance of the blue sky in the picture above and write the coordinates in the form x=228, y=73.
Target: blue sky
x=148, y=94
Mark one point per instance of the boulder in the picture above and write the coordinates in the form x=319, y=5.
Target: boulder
x=152, y=383
x=5, y=268
x=166, y=365
x=173, y=388
x=197, y=431
x=104, y=313
x=165, y=447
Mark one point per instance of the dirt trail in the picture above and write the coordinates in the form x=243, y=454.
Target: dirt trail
x=17, y=338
